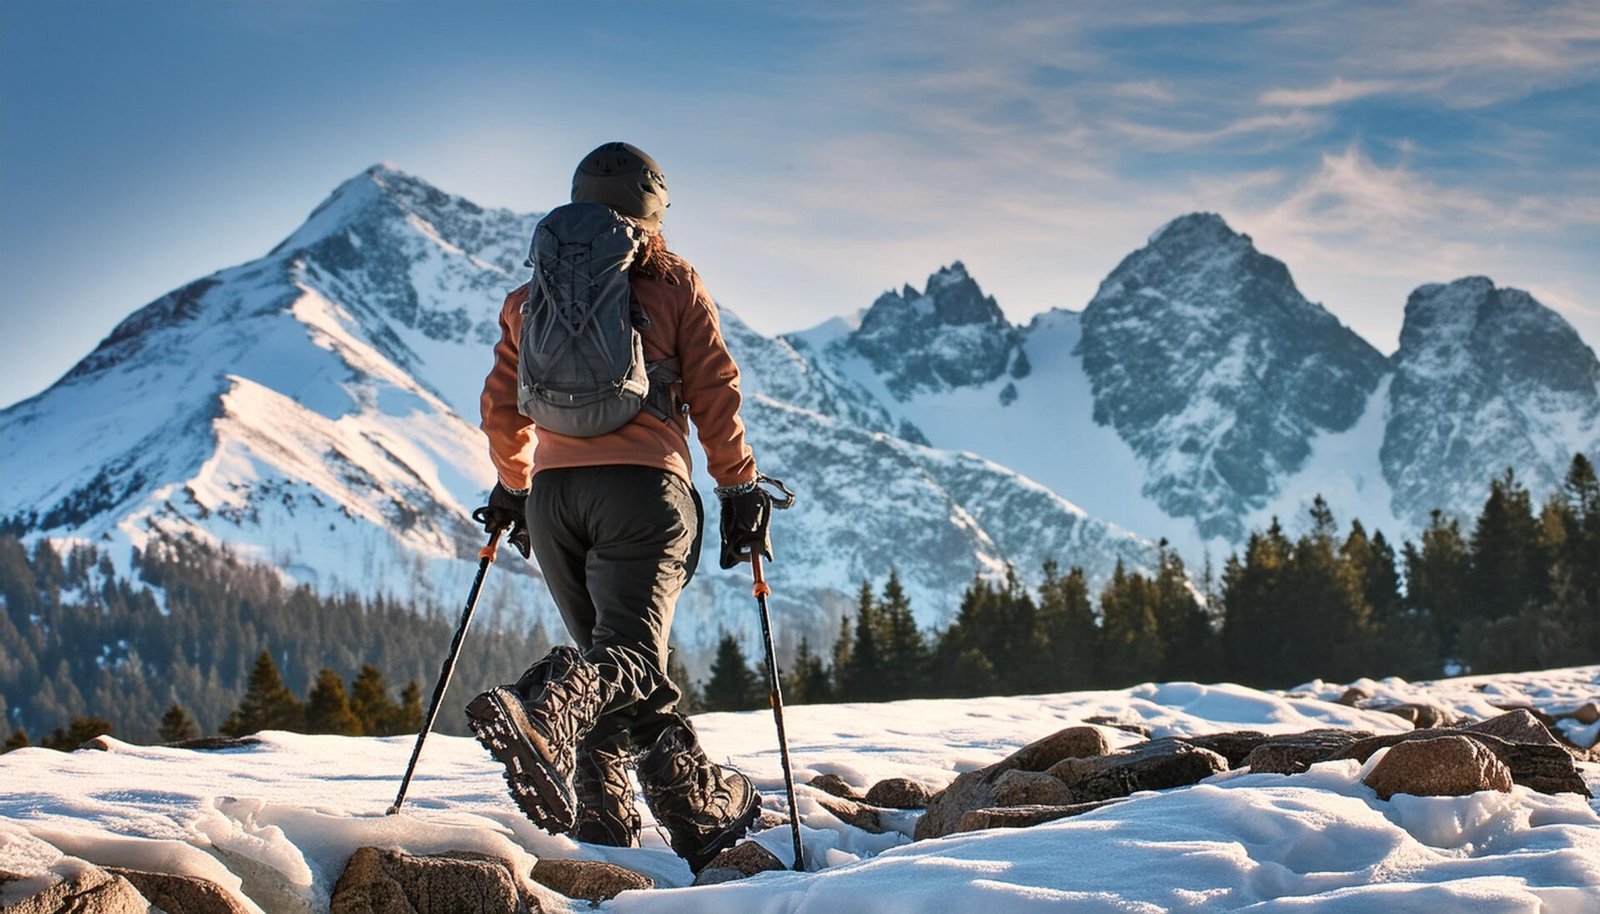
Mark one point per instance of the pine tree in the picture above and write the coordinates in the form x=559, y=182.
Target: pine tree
x=408, y=719
x=17, y=740
x=840, y=655
x=371, y=704
x=1253, y=631
x=863, y=674
x=806, y=682
x=1131, y=638
x=1509, y=580
x=177, y=725
x=733, y=685
x=328, y=707
x=689, y=701
x=1437, y=572
x=1068, y=635
x=74, y=735
x=267, y=704
x=1183, y=625
x=905, y=650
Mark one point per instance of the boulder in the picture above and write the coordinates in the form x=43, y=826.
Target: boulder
x=1519, y=726
x=975, y=789
x=1125, y=726
x=1028, y=788
x=1544, y=718
x=215, y=743
x=379, y=881
x=770, y=819
x=738, y=862
x=1423, y=716
x=1444, y=766
x=852, y=812
x=1586, y=714
x=1354, y=695
x=832, y=783
x=1234, y=745
x=1022, y=816
x=81, y=890
x=1547, y=769
x=1159, y=764
x=590, y=880
x=181, y=894
x=899, y=793
x=1297, y=752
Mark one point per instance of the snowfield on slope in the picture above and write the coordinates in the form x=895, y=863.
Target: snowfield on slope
x=274, y=823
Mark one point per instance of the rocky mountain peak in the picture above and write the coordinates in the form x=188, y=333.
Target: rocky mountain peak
x=1486, y=378
x=950, y=334
x=1207, y=360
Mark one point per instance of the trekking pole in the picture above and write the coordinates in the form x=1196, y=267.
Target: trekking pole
x=485, y=559
x=775, y=690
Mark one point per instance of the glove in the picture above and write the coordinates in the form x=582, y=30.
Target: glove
x=508, y=511
x=746, y=519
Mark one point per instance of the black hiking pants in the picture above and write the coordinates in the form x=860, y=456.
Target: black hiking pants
x=616, y=545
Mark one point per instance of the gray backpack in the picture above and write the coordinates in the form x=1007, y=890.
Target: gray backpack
x=581, y=368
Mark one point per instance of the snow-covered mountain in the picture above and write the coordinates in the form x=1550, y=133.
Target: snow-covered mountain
x=316, y=409
x=1199, y=393
x=1485, y=378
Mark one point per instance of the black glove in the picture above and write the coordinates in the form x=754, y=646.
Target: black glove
x=746, y=519
x=508, y=511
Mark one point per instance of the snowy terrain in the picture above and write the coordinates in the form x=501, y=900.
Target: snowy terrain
x=275, y=822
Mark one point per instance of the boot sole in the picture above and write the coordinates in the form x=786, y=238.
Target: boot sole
x=535, y=782
x=729, y=836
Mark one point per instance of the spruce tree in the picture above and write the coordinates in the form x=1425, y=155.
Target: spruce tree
x=1183, y=625
x=177, y=725
x=267, y=704
x=74, y=735
x=371, y=704
x=1132, y=641
x=409, y=718
x=839, y=668
x=733, y=685
x=863, y=675
x=1068, y=635
x=905, y=650
x=1253, y=631
x=689, y=701
x=1437, y=578
x=17, y=740
x=328, y=707
x=806, y=682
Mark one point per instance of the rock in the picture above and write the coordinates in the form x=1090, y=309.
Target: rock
x=1353, y=695
x=1547, y=769
x=1297, y=752
x=81, y=890
x=771, y=819
x=1519, y=726
x=832, y=783
x=1544, y=718
x=852, y=812
x=1028, y=788
x=1124, y=726
x=181, y=894
x=215, y=743
x=1423, y=716
x=1444, y=766
x=899, y=793
x=738, y=862
x=1155, y=765
x=1022, y=816
x=377, y=881
x=975, y=789
x=1234, y=745
x=1586, y=714
x=590, y=880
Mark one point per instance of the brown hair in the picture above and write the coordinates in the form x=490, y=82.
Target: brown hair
x=655, y=261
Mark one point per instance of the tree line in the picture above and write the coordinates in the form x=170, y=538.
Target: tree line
x=187, y=624
x=1520, y=590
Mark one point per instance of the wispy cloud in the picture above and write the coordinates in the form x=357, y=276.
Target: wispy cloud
x=1338, y=91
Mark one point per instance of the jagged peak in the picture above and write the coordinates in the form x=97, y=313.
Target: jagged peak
x=1194, y=229
x=950, y=297
x=953, y=274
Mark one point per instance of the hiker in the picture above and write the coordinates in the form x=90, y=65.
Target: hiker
x=598, y=489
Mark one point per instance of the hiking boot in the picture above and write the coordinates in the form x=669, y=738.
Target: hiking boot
x=533, y=727
x=705, y=808
x=606, y=811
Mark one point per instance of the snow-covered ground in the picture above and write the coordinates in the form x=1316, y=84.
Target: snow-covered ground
x=275, y=822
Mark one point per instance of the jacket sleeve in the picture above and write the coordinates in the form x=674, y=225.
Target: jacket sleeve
x=711, y=388
x=510, y=432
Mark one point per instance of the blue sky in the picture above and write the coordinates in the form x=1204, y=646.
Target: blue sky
x=819, y=153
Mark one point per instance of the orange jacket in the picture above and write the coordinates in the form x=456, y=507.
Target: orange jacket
x=683, y=323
